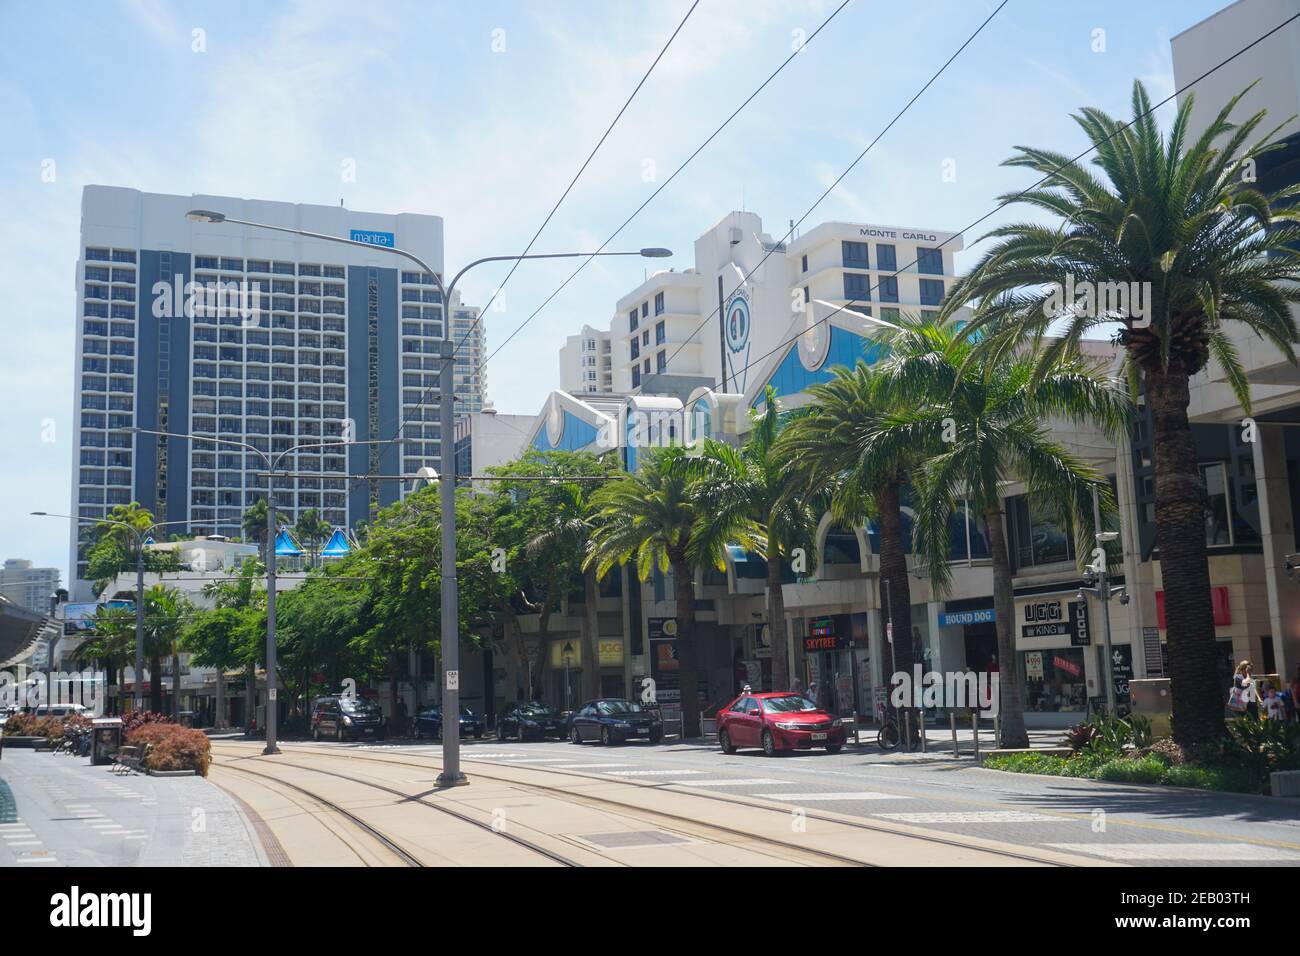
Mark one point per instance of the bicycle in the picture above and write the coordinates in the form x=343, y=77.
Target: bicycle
x=890, y=735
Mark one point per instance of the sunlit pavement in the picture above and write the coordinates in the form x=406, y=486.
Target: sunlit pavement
x=1146, y=826
x=57, y=810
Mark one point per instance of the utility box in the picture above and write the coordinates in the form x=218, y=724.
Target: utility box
x=1151, y=699
x=105, y=739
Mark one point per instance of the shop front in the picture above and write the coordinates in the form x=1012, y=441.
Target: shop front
x=837, y=658
x=1054, y=666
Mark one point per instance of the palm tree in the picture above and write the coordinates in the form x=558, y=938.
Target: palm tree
x=655, y=519
x=166, y=613
x=829, y=445
x=777, y=499
x=254, y=525
x=1180, y=220
x=113, y=639
x=983, y=419
x=312, y=531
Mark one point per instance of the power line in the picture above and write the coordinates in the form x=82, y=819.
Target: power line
x=1018, y=195
x=446, y=306
x=838, y=179
x=665, y=183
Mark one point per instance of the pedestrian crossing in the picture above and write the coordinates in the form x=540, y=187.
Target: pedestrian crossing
x=1114, y=847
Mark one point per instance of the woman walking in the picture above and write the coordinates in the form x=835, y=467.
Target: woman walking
x=1244, y=697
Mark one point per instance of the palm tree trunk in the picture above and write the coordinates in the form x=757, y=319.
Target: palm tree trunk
x=893, y=570
x=1011, y=713
x=687, y=668
x=591, y=669
x=779, y=633
x=176, y=685
x=155, y=683
x=1197, y=698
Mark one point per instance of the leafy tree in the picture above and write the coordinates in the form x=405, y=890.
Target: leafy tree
x=312, y=531
x=1180, y=220
x=655, y=518
x=254, y=524
x=983, y=419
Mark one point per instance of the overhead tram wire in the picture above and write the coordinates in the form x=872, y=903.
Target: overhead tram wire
x=840, y=178
x=665, y=183
x=790, y=341
x=446, y=310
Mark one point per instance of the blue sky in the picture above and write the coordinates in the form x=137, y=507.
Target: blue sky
x=437, y=121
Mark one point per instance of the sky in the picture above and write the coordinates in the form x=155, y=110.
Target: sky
x=482, y=112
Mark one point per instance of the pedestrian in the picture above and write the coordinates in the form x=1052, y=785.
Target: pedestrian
x=796, y=686
x=1295, y=694
x=1244, y=698
x=401, y=718
x=1274, y=709
x=811, y=692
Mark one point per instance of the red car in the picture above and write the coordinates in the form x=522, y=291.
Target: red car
x=775, y=721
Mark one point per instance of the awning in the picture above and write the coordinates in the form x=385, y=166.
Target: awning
x=286, y=547
x=21, y=630
x=337, y=546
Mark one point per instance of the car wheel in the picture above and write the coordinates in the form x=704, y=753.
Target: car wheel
x=769, y=744
x=315, y=734
x=339, y=735
x=834, y=748
x=724, y=741
x=656, y=738
x=574, y=736
x=478, y=735
x=606, y=738
x=519, y=733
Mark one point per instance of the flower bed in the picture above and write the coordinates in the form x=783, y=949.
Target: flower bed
x=172, y=747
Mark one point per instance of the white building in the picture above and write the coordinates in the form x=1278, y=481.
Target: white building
x=307, y=346
x=586, y=362
x=486, y=439
x=27, y=586
x=469, y=372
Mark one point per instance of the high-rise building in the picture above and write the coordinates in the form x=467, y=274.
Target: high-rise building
x=586, y=362
x=31, y=587
x=470, y=376
x=248, y=335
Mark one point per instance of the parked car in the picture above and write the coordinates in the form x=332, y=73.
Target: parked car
x=531, y=720
x=62, y=710
x=778, y=721
x=614, y=720
x=428, y=723
x=347, y=718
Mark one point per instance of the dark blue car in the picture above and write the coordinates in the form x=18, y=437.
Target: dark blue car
x=428, y=723
x=614, y=720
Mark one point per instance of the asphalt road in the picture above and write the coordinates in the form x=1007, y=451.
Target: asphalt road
x=1136, y=825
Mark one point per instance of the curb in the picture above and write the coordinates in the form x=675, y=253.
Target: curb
x=1150, y=787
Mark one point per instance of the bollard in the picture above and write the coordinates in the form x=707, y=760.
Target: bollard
x=952, y=718
x=920, y=726
x=907, y=728
x=975, y=732
x=997, y=728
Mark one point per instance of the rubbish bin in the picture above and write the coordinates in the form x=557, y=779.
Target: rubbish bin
x=106, y=739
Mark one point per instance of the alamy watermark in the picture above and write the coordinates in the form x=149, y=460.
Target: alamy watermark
x=32, y=689
x=975, y=690
x=1119, y=300
x=216, y=300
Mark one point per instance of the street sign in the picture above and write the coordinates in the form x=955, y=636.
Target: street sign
x=453, y=680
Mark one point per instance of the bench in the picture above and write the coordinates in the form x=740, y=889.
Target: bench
x=127, y=759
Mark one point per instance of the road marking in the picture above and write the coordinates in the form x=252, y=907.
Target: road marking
x=537, y=759
x=1179, y=851
x=37, y=859
x=805, y=797
x=591, y=766
x=651, y=773
x=987, y=816
x=754, y=781
x=24, y=843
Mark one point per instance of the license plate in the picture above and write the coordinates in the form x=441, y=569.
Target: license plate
x=371, y=730
x=821, y=736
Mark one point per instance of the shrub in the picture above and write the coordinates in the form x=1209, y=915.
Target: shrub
x=1080, y=735
x=172, y=747
x=1165, y=750
x=1191, y=775
x=1130, y=770
x=1027, y=763
x=139, y=718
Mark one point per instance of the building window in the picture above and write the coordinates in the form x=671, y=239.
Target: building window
x=929, y=260
x=857, y=285
x=1038, y=538
x=636, y=348
x=632, y=321
x=661, y=361
x=855, y=255
x=803, y=263
x=886, y=258
x=659, y=303
x=645, y=310
x=888, y=288
x=931, y=292
x=661, y=334
x=636, y=377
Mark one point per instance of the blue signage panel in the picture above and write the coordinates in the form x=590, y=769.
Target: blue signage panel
x=982, y=616
x=372, y=238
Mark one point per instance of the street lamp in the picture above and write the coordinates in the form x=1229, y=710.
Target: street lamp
x=1096, y=574
x=451, y=774
x=140, y=535
x=271, y=462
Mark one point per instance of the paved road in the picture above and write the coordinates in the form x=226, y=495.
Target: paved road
x=1144, y=826
x=59, y=811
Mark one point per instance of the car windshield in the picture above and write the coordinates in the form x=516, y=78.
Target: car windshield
x=788, y=705
x=357, y=705
x=537, y=710
x=618, y=707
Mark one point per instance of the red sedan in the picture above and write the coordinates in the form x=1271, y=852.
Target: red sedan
x=777, y=721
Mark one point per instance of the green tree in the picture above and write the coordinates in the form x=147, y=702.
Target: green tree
x=312, y=531
x=254, y=524
x=830, y=445
x=655, y=519
x=1180, y=220
x=778, y=500
x=983, y=419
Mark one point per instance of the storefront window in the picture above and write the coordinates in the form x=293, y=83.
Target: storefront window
x=1039, y=539
x=1054, y=680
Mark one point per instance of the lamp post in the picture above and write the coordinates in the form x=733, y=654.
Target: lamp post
x=271, y=463
x=451, y=774
x=1096, y=572
x=140, y=535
